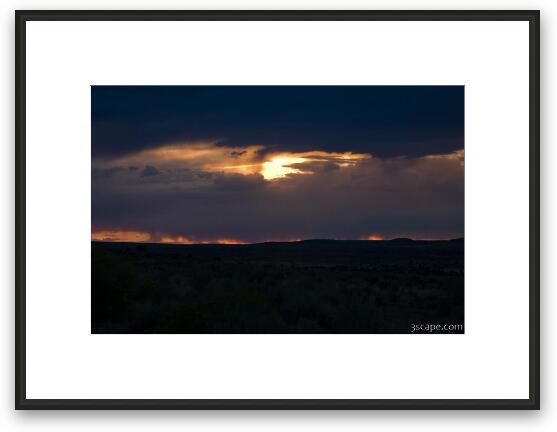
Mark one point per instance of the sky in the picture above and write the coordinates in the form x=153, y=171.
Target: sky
x=248, y=164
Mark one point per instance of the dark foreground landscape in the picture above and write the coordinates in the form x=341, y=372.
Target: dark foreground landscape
x=313, y=286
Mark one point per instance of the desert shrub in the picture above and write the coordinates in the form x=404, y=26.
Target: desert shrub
x=273, y=289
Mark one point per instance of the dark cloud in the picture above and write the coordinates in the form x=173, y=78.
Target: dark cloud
x=386, y=121
x=238, y=153
x=106, y=173
x=149, y=171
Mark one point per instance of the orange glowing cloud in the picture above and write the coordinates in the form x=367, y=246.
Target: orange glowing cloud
x=186, y=240
x=176, y=240
x=144, y=237
x=121, y=236
x=284, y=164
x=229, y=241
x=281, y=166
x=207, y=156
x=249, y=160
x=373, y=237
x=457, y=155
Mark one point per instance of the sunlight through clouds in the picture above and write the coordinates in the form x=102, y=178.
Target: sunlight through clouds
x=250, y=160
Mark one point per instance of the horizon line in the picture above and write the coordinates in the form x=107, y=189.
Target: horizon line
x=217, y=243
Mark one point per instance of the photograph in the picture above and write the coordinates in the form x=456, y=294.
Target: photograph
x=277, y=209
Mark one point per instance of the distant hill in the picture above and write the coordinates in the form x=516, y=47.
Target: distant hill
x=315, y=251
x=316, y=242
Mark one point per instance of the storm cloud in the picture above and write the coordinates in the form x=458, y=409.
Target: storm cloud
x=386, y=121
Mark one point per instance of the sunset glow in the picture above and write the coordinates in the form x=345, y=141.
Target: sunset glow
x=121, y=236
x=249, y=160
x=176, y=240
x=373, y=237
x=143, y=237
x=185, y=240
x=281, y=166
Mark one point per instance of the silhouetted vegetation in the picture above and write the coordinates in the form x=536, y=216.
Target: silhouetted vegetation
x=316, y=286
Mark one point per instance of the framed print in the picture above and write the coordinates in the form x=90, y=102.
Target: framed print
x=277, y=210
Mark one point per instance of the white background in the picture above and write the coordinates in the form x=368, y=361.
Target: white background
x=256, y=421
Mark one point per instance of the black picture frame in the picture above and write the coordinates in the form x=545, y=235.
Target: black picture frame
x=531, y=16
